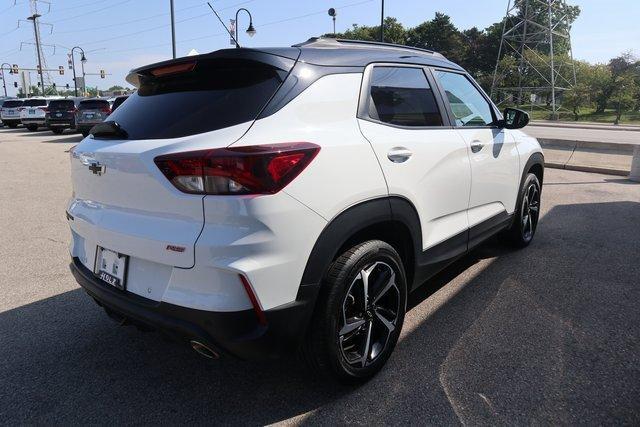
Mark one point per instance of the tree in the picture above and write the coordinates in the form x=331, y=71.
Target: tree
x=575, y=98
x=114, y=88
x=394, y=32
x=440, y=35
x=623, y=95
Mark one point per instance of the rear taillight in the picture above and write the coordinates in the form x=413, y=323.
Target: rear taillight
x=258, y=169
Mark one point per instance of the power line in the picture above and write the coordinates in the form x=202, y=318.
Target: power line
x=91, y=12
x=225, y=33
x=127, y=22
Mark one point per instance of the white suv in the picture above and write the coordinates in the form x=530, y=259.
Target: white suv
x=256, y=202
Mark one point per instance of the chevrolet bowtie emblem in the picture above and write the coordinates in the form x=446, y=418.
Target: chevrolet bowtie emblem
x=97, y=168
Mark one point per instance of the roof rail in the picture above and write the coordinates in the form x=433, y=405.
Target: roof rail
x=330, y=41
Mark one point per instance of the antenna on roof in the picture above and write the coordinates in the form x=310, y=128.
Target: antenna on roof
x=225, y=27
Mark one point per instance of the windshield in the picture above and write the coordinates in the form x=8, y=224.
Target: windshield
x=35, y=103
x=94, y=104
x=61, y=104
x=11, y=104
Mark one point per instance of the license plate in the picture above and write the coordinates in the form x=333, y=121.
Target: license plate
x=111, y=267
x=32, y=111
x=88, y=116
x=58, y=114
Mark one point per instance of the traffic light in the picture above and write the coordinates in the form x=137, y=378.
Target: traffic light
x=53, y=85
x=69, y=61
x=102, y=74
x=61, y=70
x=67, y=85
x=14, y=69
x=15, y=84
x=39, y=69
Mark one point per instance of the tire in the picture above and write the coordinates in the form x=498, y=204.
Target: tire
x=12, y=125
x=335, y=346
x=527, y=214
x=32, y=128
x=57, y=131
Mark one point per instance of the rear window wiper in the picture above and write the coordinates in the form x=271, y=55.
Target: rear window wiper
x=108, y=130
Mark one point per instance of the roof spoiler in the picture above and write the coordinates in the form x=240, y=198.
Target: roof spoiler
x=282, y=62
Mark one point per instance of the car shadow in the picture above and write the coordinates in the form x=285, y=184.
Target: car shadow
x=548, y=333
x=64, y=138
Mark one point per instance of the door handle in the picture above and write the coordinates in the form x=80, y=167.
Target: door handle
x=476, y=146
x=399, y=154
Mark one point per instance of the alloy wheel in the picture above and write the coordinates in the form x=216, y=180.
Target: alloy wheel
x=530, y=211
x=369, y=314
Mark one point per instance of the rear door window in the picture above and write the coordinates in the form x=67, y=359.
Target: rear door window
x=217, y=93
x=35, y=103
x=402, y=96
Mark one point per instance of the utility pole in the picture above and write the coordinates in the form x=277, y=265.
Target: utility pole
x=382, y=23
x=173, y=30
x=4, y=82
x=34, y=18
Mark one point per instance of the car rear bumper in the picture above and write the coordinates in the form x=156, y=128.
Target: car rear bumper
x=33, y=121
x=7, y=120
x=238, y=333
x=60, y=123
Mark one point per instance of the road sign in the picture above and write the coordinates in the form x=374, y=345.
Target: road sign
x=61, y=70
x=232, y=31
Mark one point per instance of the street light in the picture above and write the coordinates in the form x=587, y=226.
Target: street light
x=250, y=30
x=332, y=13
x=83, y=59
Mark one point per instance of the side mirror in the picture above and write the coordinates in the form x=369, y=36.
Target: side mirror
x=515, y=119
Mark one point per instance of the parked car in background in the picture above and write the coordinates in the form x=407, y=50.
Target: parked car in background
x=91, y=112
x=61, y=114
x=10, y=112
x=118, y=101
x=262, y=201
x=33, y=113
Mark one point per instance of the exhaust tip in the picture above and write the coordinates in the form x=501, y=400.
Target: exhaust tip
x=203, y=350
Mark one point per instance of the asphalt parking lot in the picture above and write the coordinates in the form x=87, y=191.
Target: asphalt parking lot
x=545, y=335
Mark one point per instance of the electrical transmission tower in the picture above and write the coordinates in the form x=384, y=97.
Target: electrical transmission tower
x=535, y=60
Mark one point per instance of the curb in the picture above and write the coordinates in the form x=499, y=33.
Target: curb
x=605, y=171
x=571, y=125
x=596, y=157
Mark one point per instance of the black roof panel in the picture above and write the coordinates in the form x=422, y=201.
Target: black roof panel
x=354, y=53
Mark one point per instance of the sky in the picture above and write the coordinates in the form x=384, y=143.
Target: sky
x=118, y=35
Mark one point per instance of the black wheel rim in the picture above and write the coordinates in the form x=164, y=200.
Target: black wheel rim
x=369, y=314
x=530, y=212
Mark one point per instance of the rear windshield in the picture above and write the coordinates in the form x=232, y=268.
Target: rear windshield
x=35, y=103
x=61, y=104
x=217, y=93
x=94, y=104
x=11, y=104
